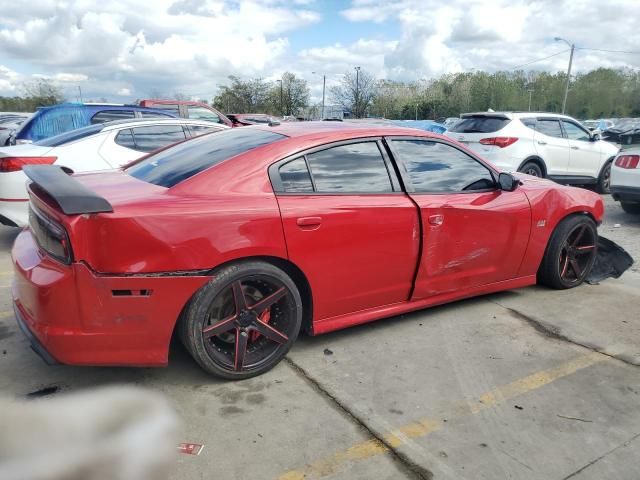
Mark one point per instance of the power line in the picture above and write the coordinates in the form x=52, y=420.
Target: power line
x=539, y=59
x=608, y=51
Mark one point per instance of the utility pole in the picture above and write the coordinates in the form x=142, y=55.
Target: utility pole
x=357, y=91
x=324, y=83
x=566, y=89
x=530, y=92
x=80, y=92
x=416, y=112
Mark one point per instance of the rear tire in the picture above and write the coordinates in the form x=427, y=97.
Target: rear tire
x=630, y=207
x=533, y=169
x=604, y=179
x=570, y=254
x=244, y=321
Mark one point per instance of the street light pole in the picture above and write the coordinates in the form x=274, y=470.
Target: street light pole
x=530, y=92
x=357, y=91
x=416, y=112
x=566, y=89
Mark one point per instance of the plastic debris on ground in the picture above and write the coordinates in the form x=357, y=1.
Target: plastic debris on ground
x=611, y=261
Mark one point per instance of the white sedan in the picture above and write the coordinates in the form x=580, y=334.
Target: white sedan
x=97, y=147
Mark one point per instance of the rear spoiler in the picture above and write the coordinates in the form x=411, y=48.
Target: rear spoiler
x=73, y=197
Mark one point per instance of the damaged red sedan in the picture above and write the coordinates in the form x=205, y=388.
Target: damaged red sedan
x=237, y=241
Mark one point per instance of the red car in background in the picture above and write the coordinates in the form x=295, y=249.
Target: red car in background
x=241, y=239
x=245, y=119
x=188, y=109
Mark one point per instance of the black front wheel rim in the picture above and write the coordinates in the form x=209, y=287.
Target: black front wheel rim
x=248, y=323
x=577, y=254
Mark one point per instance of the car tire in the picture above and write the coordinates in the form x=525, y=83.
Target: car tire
x=630, y=207
x=532, y=168
x=232, y=336
x=570, y=253
x=604, y=179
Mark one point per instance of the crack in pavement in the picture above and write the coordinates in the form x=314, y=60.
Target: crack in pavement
x=414, y=470
x=582, y=469
x=551, y=331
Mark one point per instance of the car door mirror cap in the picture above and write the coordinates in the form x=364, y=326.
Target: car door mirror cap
x=507, y=182
x=596, y=136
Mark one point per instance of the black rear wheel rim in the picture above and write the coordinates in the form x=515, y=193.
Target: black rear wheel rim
x=577, y=254
x=248, y=323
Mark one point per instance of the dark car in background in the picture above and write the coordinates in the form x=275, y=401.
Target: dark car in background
x=189, y=109
x=57, y=119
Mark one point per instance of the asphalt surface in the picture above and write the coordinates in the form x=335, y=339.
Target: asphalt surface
x=525, y=384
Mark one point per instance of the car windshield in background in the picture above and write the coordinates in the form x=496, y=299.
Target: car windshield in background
x=479, y=124
x=170, y=167
x=70, y=136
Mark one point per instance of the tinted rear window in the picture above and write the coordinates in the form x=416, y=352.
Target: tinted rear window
x=480, y=124
x=170, y=167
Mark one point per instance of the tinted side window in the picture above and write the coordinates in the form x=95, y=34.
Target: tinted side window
x=151, y=138
x=549, y=127
x=110, y=115
x=574, y=132
x=529, y=122
x=295, y=176
x=353, y=168
x=171, y=107
x=480, y=124
x=200, y=113
x=439, y=168
x=124, y=138
x=197, y=130
x=156, y=115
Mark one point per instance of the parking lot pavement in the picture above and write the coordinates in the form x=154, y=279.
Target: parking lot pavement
x=529, y=384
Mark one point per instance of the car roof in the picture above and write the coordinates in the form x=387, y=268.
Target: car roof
x=138, y=122
x=515, y=114
x=341, y=129
x=99, y=106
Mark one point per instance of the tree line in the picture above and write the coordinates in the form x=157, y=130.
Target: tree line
x=599, y=93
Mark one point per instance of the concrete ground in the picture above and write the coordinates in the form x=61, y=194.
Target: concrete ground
x=526, y=384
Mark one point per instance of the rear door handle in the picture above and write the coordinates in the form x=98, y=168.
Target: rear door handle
x=575, y=148
x=541, y=142
x=309, y=221
x=436, y=220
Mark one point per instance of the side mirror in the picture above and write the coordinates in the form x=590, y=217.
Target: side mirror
x=507, y=182
x=596, y=135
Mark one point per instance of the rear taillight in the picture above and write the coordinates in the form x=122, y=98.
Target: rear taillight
x=14, y=164
x=500, y=142
x=50, y=235
x=628, y=161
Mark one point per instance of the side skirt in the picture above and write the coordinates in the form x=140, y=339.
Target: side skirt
x=573, y=179
x=371, y=314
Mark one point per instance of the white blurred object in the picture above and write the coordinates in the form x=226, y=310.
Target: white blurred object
x=114, y=433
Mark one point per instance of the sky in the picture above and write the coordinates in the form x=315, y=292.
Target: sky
x=123, y=50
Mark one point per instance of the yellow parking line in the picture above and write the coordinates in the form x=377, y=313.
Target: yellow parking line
x=425, y=426
x=8, y=273
x=6, y=314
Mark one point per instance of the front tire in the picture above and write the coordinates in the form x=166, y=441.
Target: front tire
x=570, y=254
x=533, y=169
x=604, y=179
x=244, y=321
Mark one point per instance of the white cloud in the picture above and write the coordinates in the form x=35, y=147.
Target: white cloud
x=190, y=46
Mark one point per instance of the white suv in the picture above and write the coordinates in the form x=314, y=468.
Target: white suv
x=541, y=144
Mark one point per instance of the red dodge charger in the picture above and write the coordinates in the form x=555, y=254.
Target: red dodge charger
x=238, y=240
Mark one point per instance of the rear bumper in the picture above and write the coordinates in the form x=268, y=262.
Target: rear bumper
x=625, y=194
x=36, y=346
x=75, y=316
